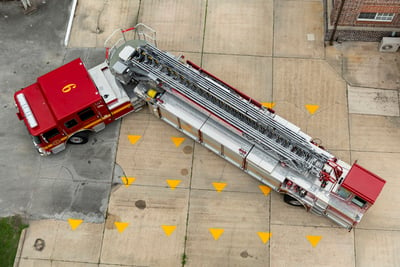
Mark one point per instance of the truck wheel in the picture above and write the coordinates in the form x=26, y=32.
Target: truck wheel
x=79, y=138
x=291, y=201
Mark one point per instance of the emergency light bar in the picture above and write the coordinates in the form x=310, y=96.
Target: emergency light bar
x=27, y=111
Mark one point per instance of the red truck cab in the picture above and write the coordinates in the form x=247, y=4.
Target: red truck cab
x=65, y=104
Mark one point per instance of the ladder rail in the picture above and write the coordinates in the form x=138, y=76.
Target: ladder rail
x=290, y=148
x=250, y=110
x=259, y=138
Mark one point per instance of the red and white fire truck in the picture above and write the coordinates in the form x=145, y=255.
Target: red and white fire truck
x=65, y=104
x=68, y=103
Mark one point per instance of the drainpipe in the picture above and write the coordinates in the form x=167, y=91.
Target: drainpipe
x=336, y=22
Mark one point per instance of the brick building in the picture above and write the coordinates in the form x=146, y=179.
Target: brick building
x=361, y=20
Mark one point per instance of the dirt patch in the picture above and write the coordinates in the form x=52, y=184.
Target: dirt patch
x=188, y=150
x=140, y=204
x=111, y=219
x=184, y=171
x=244, y=254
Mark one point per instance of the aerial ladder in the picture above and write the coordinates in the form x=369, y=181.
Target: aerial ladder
x=237, y=128
x=244, y=132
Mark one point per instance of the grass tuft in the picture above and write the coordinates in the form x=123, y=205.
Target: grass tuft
x=10, y=231
x=184, y=259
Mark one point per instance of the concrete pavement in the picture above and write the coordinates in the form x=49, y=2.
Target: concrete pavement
x=256, y=48
x=76, y=182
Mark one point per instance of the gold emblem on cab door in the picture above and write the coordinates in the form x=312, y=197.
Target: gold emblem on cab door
x=68, y=88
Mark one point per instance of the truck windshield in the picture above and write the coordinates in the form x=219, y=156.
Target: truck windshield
x=344, y=193
x=359, y=201
x=49, y=134
x=36, y=139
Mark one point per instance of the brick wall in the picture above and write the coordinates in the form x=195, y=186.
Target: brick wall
x=352, y=9
x=358, y=35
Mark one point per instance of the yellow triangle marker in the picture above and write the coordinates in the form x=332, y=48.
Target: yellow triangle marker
x=134, y=138
x=265, y=189
x=168, y=229
x=173, y=183
x=177, y=140
x=314, y=239
x=264, y=236
x=216, y=233
x=127, y=181
x=312, y=108
x=121, y=226
x=219, y=186
x=74, y=223
x=270, y=105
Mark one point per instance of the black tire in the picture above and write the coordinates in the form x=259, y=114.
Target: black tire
x=291, y=201
x=79, y=138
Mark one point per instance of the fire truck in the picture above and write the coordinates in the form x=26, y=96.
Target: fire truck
x=67, y=104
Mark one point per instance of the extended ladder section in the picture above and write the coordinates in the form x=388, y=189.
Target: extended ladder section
x=284, y=141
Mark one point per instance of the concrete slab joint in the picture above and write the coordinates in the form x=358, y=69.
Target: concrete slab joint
x=162, y=199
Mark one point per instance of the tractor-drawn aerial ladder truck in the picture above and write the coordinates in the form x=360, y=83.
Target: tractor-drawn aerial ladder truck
x=68, y=103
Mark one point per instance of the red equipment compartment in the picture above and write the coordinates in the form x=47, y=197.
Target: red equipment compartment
x=69, y=89
x=363, y=183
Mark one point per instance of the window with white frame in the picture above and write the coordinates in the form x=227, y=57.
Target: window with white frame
x=371, y=16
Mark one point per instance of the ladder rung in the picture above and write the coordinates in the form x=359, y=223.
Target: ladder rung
x=257, y=125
